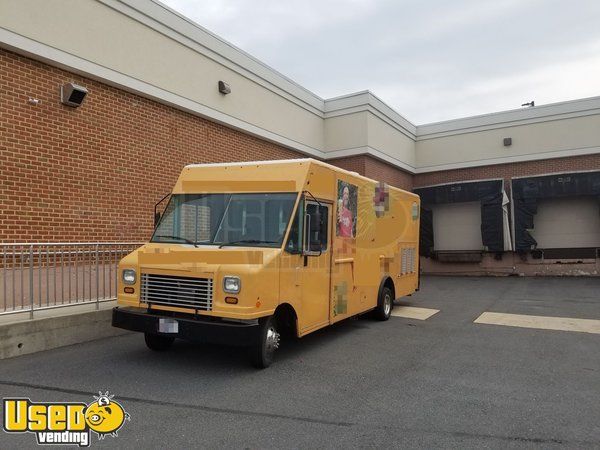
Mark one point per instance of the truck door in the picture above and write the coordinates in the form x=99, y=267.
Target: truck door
x=304, y=278
x=346, y=300
x=317, y=265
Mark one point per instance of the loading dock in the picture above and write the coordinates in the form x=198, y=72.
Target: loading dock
x=461, y=221
x=557, y=216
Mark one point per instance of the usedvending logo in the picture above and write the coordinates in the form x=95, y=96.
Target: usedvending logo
x=69, y=423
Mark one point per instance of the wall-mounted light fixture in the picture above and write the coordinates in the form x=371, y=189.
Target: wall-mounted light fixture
x=72, y=94
x=507, y=142
x=224, y=88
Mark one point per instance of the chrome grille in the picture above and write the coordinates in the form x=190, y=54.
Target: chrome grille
x=183, y=292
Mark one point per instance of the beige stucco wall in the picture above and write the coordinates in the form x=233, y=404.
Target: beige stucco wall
x=390, y=140
x=544, y=139
x=346, y=132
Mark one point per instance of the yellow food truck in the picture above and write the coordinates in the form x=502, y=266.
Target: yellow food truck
x=246, y=253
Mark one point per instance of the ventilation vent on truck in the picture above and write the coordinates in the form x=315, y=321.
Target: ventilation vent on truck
x=181, y=292
x=408, y=256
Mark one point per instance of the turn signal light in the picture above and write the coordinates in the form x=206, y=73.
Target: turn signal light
x=129, y=290
x=231, y=300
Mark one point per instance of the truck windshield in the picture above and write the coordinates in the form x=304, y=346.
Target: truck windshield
x=253, y=220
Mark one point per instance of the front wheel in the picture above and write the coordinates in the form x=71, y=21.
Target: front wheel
x=263, y=352
x=385, y=303
x=157, y=342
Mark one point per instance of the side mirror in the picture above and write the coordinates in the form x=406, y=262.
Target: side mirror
x=316, y=221
x=157, y=214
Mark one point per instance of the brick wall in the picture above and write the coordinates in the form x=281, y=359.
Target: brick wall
x=94, y=173
x=384, y=172
x=351, y=163
x=508, y=171
x=378, y=170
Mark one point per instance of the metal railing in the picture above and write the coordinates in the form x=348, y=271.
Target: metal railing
x=36, y=276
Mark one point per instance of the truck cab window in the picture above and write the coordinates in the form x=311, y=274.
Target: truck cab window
x=242, y=219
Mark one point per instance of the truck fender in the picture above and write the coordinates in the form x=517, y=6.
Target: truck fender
x=286, y=315
x=386, y=281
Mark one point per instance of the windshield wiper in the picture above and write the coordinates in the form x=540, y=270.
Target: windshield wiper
x=247, y=241
x=187, y=241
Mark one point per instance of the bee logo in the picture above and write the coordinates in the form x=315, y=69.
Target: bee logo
x=105, y=416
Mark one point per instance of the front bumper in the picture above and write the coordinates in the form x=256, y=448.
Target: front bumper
x=194, y=329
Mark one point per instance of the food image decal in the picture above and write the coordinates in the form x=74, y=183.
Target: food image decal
x=347, y=200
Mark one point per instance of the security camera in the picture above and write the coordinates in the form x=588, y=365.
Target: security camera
x=72, y=94
x=224, y=88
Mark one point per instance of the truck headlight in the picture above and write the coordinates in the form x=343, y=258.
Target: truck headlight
x=232, y=285
x=128, y=276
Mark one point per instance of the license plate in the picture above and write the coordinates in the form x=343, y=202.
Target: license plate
x=168, y=326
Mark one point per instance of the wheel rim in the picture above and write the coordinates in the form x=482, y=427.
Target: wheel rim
x=387, y=304
x=272, y=340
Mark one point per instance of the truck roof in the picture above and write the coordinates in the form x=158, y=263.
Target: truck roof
x=295, y=173
x=253, y=163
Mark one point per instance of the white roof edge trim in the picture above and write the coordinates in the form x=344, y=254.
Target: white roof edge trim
x=541, y=112
x=458, y=182
x=343, y=96
x=549, y=174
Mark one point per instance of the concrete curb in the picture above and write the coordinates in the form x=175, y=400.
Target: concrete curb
x=24, y=337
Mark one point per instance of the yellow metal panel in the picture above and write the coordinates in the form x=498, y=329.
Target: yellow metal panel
x=177, y=254
x=244, y=177
x=238, y=186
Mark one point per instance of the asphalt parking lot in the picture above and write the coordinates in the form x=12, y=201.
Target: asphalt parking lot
x=440, y=382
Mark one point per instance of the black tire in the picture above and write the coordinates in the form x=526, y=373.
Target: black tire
x=385, y=304
x=262, y=353
x=158, y=342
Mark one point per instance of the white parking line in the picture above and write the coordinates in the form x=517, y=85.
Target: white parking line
x=540, y=322
x=411, y=312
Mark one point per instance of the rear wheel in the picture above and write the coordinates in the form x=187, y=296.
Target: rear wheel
x=385, y=303
x=263, y=352
x=158, y=342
